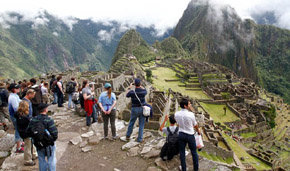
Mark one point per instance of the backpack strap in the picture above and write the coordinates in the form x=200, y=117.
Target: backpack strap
x=169, y=131
x=176, y=130
x=137, y=97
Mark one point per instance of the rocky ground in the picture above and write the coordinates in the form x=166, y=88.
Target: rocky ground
x=83, y=148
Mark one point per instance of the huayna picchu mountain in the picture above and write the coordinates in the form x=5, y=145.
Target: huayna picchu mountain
x=217, y=34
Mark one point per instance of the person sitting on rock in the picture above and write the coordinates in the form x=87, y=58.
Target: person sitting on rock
x=170, y=148
x=22, y=120
x=89, y=102
x=107, y=102
x=137, y=109
x=4, y=94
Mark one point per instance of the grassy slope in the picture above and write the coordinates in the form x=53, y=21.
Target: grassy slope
x=166, y=73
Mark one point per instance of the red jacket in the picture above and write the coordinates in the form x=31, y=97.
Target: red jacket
x=89, y=106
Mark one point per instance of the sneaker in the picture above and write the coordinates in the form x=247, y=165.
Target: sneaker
x=127, y=138
x=115, y=137
x=21, y=150
x=32, y=163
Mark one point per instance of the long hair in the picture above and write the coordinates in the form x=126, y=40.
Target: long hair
x=85, y=82
x=23, y=108
x=109, y=90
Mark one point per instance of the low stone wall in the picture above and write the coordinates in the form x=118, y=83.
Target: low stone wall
x=212, y=149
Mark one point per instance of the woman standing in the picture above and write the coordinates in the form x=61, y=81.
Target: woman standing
x=59, y=90
x=22, y=121
x=89, y=102
x=107, y=103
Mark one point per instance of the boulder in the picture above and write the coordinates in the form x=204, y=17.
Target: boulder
x=76, y=140
x=133, y=152
x=3, y=154
x=94, y=140
x=87, y=149
x=129, y=145
x=88, y=134
x=7, y=142
x=146, y=149
x=126, y=114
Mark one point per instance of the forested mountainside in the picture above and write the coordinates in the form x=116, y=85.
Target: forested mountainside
x=30, y=48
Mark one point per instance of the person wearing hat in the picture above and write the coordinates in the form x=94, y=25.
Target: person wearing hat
x=4, y=94
x=107, y=102
x=137, y=109
x=46, y=155
x=13, y=103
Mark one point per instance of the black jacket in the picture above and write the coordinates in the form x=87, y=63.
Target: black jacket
x=22, y=125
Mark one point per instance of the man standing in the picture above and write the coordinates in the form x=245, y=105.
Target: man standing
x=13, y=103
x=187, y=124
x=52, y=86
x=28, y=97
x=37, y=98
x=70, y=89
x=137, y=109
x=46, y=152
x=4, y=94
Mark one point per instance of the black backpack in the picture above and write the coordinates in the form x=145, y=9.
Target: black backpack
x=3, y=98
x=53, y=86
x=82, y=100
x=40, y=135
x=170, y=148
x=70, y=88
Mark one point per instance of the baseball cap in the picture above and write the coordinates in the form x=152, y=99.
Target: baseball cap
x=137, y=81
x=107, y=85
x=12, y=86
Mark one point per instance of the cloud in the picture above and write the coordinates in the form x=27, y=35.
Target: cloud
x=162, y=14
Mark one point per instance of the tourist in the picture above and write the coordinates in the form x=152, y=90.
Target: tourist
x=45, y=149
x=187, y=123
x=70, y=89
x=22, y=120
x=137, y=109
x=107, y=102
x=41, y=83
x=30, y=94
x=13, y=103
x=23, y=90
x=37, y=98
x=52, y=86
x=44, y=91
x=60, y=92
x=171, y=147
x=4, y=94
x=89, y=102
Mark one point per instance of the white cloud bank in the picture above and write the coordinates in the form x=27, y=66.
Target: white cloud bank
x=162, y=14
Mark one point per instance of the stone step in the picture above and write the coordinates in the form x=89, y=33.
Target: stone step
x=156, y=117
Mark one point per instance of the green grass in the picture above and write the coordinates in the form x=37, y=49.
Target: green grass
x=163, y=74
x=216, y=158
x=217, y=113
x=248, y=134
x=240, y=152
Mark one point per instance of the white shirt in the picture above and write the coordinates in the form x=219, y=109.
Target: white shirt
x=186, y=121
x=44, y=90
x=172, y=129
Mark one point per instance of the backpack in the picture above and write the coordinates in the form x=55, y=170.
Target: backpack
x=3, y=98
x=53, y=86
x=70, y=88
x=82, y=100
x=170, y=148
x=40, y=135
x=22, y=124
x=75, y=98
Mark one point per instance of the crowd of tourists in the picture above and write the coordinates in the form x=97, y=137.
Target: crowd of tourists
x=27, y=105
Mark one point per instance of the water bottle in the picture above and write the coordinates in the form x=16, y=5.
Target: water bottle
x=47, y=132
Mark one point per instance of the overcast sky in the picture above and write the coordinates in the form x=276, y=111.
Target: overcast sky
x=161, y=13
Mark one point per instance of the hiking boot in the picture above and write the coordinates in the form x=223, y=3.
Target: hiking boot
x=31, y=163
x=21, y=150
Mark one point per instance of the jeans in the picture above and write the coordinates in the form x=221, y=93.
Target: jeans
x=17, y=136
x=106, y=118
x=136, y=112
x=59, y=99
x=47, y=159
x=190, y=140
x=70, y=102
x=55, y=98
x=94, y=116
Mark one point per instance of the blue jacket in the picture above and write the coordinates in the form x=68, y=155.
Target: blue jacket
x=141, y=93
